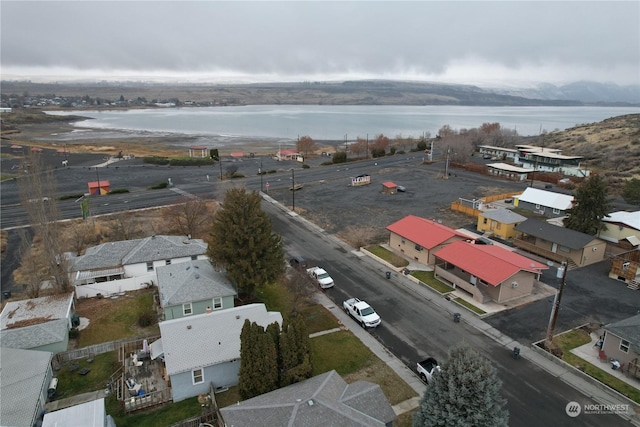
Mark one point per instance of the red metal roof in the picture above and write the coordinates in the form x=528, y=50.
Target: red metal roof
x=490, y=263
x=424, y=232
x=389, y=184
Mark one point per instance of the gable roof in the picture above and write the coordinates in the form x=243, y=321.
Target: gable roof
x=491, y=263
x=546, y=198
x=191, y=281
x=424, y=232
x=505, y=216
x=389, y=184
x=325, y=399
x=92, y=413
x=561, y=235
x=630, y=219
x=628, y=329
x=211, y=338
x=33, y=311
x=34, y=336
x=126, y=252
x=22, y=381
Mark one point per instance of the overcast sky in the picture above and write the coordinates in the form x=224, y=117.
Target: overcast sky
x=471, y=42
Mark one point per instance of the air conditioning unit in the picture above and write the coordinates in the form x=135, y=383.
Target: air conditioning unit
x=514, y=284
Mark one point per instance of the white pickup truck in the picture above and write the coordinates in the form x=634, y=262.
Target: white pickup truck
x=321, y=277
x=362, y=313
x=427, y=368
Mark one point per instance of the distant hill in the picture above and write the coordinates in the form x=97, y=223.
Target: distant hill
x=368, y=92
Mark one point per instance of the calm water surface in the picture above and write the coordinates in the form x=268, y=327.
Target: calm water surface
x=287, y=122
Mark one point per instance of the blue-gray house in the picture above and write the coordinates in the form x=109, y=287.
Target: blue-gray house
x=204, y=349
x=193, y=287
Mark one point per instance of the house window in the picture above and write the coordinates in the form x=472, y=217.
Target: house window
x=484, y=220
x=556, y=211
x=150, y=266
x=217, y=303
x=624, y=346
x=167, y=262
x=198, y=376
x=187, y=309
x=194, y=257
x=565, y=249
x=402, y=240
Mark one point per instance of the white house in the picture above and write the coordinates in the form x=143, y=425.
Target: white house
x=204, y=349
x=541, y=202
x=128, y=265
x=622, y=226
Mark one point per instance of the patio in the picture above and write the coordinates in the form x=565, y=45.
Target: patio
x=143, y=381
x=590, y=353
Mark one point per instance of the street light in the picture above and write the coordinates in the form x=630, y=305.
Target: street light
x=260, y=172
x=293, y=191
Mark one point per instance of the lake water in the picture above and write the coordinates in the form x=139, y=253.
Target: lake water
x=285, y=123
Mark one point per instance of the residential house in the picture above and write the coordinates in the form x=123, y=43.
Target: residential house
x=24, y=384
x=622, y=228
x=92, y=413
x=550, y=160
x=559, y=244
x=499, y=222
x=419, y=238
x=325, y=399
x=193, y=287
x=508, y=171
x=487, y=272
x=542, y=202
x=116, y=267
x=38, y=324
x=204, y=349
x=502, y=153
x=622, y=342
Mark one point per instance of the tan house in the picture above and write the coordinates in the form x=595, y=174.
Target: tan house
x=559, y=244
x=622, y=228
x=419, y=238
x=487, y=272
x=500, y=222
x=622, y=342
x=626, y=267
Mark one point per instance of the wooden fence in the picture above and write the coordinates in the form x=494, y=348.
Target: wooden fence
x=92, y=350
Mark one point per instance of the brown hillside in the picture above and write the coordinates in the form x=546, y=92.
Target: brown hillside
x=611, y=147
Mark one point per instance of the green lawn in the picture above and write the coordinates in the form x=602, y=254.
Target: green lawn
x=387, y=255
x=578, y=337
x=470, y=306
x=118, y=322
x=101, y=367
x=428, y=279
x=162, y=416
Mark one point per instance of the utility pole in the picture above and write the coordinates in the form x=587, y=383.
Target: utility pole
x=366, y=154
x=446, y=165
x=220, y=163
x=562, y=275
x=260, y=172
x=293, y=191
x=98, y=176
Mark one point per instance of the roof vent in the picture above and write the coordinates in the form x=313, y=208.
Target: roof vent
x=188, y=326
x=310, y=402
x=197, y=276
x=237, y=316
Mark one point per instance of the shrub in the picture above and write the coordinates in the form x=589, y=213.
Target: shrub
x=156, y=160
x=71, y=196
x=159, y=186
x=340, y=157
x=305, y=166
x=146, y=319
x=74, y=333
x=118, y=191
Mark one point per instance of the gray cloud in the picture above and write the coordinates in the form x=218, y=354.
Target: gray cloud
x=469, y=41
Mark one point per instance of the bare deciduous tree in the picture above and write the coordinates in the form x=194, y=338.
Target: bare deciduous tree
x=32, y=266
x=306, y=144
x=358, y=147
x=80, y=234
x=359, y=236
x=37, y=191
x=191, y=217
x=123, y=226
x=300, y=287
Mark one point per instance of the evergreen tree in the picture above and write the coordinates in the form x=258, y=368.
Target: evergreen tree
x=631, y=191
x=590, y=205
x=258, y=361
x=296, y=353
x=466, y=392
x=242, y=241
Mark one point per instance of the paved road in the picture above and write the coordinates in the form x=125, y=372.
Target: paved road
x=413, y=327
